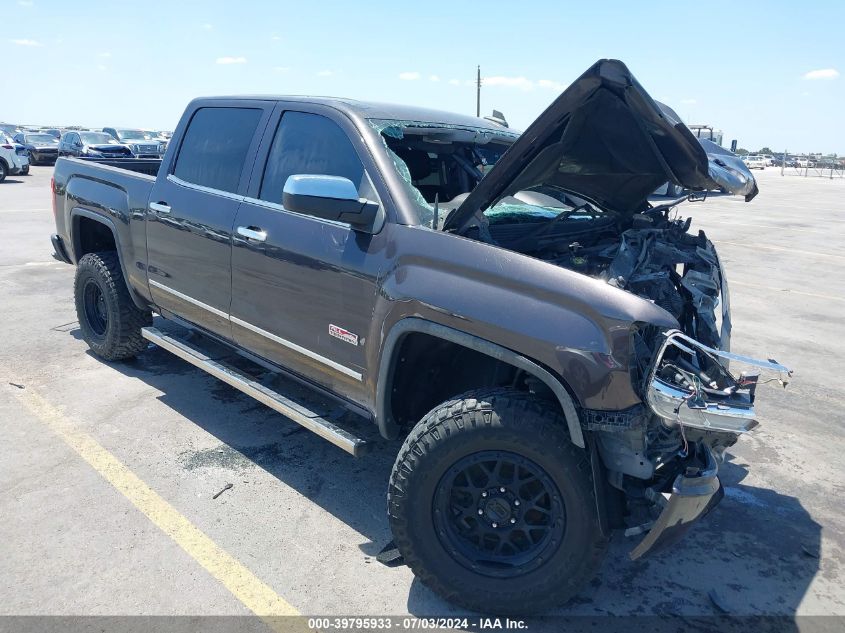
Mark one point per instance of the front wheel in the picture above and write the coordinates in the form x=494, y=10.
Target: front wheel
x=492, y=506
x=108, y=318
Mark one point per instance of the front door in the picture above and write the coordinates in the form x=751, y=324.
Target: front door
x=303, y=288
x=192, y=210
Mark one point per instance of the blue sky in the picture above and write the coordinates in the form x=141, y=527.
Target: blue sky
x=767, y=73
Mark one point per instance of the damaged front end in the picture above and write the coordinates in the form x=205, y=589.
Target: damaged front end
x=693, y=397
x=574, y=190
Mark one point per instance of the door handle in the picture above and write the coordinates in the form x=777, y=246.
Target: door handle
x=252, y=233
x=159, y=207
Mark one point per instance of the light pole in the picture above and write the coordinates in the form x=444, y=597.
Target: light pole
x=478, y=92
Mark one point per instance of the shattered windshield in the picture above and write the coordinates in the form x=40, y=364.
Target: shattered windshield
x=441, y=163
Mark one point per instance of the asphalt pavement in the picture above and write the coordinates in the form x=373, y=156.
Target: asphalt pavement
x=108, y=471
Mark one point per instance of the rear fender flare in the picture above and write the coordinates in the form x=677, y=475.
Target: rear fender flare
x=76, y=247
x=390, y=429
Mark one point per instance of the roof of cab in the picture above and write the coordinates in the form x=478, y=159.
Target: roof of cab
x=374, y=110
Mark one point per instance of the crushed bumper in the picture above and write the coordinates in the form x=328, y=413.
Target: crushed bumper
x=694, y=493
x=689, y=385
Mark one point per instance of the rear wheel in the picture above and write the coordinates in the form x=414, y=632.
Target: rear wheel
x=110, y=321
x=4, y=171
x=492, y=506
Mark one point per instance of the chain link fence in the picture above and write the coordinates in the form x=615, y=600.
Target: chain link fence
x=811, y=166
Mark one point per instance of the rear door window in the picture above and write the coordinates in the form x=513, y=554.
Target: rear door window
x=308, y=144
x=215, y=146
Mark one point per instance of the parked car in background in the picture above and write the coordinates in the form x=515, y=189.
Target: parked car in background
x=9, y=129
x=13, y=157
x=142, y=144
x=20, y=150
x=52, y=131
x=42, y=148
x=99, y=144
x=755, y=162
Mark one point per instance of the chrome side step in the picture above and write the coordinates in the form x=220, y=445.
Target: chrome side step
x=291, y=409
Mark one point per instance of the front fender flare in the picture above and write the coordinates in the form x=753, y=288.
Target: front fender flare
x=388, y=427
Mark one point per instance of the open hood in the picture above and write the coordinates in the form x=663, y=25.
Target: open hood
x=605, y=139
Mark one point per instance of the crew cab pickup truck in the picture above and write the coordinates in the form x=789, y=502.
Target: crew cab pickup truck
x=551, y=349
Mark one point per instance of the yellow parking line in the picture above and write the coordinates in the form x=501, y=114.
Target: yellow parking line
x=244, y=585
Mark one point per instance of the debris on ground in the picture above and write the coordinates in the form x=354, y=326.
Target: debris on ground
x=225, y=488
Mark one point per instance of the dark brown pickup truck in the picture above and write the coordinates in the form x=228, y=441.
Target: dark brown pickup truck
x=552, y=347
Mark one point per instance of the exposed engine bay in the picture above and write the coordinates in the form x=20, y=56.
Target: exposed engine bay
x=657, y=258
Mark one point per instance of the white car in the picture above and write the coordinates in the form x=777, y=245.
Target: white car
x=755, y=162
x=11, y=163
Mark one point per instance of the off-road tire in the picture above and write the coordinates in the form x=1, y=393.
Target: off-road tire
x=121, y=335
x=494, y=420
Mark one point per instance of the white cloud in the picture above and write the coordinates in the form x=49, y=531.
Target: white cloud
x=508, y=82
x=822, y=73
x=689, y=101
x=433, y=78
x=325, y=73
x=409, y=76
x=281, y=69
x=105, y=55
x=454, y=82
x=552, y=85
x=102, y=68
x=231, y=60
x=206, y=26
x=25, y=3
x=276, y=38
x=25, y=42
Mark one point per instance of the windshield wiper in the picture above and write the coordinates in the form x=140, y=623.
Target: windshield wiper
x=545, y=228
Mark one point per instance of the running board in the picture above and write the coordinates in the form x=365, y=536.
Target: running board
x=291, y=409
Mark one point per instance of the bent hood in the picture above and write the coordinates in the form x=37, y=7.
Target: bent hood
x=607, y=140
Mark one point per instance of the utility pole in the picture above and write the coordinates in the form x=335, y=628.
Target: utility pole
x=478, y=93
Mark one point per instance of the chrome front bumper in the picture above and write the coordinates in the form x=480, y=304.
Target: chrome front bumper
x=731, y=409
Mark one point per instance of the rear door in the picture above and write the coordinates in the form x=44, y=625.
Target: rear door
x=192, y=209
x=303, y=293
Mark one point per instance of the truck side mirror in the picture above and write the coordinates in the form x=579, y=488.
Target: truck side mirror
x=329, y=198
